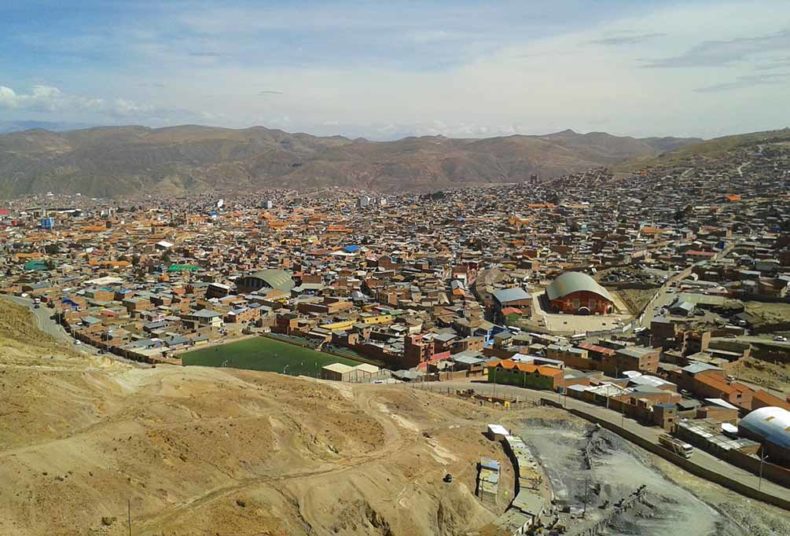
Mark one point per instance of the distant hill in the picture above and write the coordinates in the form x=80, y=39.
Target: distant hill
x=705, y=150
x=126, y=160
x=17, y=126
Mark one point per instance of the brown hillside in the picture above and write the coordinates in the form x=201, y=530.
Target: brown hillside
x=117, y=161
x=219, y=451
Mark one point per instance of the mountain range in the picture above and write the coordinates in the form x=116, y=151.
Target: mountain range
x=18, y=126
x=127, y=160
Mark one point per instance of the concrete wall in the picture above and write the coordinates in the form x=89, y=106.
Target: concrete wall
x=771, y=471
x=454, y=375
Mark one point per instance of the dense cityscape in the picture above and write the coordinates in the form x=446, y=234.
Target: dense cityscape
x=661, y=296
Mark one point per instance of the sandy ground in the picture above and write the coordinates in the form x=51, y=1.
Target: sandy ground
x=636, y=299
x=220, y=451
x=767, y=314
x=199, y=451
x=676, y=502
x=772, y=376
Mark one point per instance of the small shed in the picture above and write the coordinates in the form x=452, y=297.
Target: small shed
x=496, y=432
x=336, y=371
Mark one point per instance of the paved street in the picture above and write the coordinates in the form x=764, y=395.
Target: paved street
x=47, y=324
x=43, y=320
x=664, y=297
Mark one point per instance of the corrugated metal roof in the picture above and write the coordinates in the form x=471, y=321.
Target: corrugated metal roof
x=488, y=463
x=771, y=423
x=695, y=368
x=511, y=294
x=277, y=279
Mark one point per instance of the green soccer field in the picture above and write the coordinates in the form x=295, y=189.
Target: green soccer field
x=261, y=353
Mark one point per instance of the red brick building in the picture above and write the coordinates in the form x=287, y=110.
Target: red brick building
x=578, y=294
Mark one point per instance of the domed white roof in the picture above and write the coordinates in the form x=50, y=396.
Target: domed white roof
x=771, y=423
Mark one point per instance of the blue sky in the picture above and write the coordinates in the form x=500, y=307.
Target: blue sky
x=385, y=69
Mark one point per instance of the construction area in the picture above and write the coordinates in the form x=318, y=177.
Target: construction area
x=592, y=471
x=602, y=484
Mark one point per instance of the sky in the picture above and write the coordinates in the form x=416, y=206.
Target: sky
x=388, y=68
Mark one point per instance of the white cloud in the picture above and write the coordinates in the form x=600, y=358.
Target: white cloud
x=499, y=81
x=590, y=79
x=40, y=98
x=43, y=98
x=729, y=51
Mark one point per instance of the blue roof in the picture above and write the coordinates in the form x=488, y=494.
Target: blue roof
x=351, y=249
x=69, y=301
x=488, y=463
x=504, y=296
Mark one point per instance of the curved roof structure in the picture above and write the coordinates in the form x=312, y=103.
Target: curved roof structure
x=277, y=279
x=770, y=423
x=571, y=282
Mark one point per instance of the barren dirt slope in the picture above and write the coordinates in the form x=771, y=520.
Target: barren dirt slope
x=217, y=451
x=126, y=160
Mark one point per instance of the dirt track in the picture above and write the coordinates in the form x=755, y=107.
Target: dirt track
x=221, y=451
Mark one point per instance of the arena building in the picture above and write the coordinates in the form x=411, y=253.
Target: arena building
x=578, y=294
x=265, y=279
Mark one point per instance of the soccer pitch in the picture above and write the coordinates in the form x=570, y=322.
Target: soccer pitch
x=261, y=353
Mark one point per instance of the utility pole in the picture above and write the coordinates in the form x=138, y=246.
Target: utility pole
x=586, y=494
x=622, y=417
x=762, y=459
